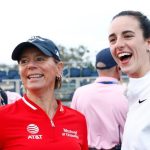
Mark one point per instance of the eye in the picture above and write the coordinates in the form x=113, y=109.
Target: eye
x=23, y=61
x=128, y=36
x=112, y=40
x=40, y=58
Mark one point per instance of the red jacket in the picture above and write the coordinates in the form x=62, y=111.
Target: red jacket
x=25, y=126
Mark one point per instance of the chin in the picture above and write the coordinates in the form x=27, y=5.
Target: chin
x=34, y=88
x=126, y=71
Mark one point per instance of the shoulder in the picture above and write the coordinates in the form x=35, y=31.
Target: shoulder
x=84, y=87
x=6, y=113
x=9, y=108
x=76, y=114
x=119, y=88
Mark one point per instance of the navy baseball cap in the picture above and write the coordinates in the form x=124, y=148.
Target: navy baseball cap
x=44, y=45
x=105, y=57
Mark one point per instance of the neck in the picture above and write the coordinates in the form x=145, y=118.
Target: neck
x=47, y=102
x=140, y=73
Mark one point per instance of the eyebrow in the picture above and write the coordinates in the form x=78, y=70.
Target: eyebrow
x=124, y=32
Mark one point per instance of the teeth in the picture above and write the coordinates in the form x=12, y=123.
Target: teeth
x=123, y=54
x=35, y=76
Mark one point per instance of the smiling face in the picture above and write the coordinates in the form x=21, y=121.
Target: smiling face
x=129, y=47
x=38, y=71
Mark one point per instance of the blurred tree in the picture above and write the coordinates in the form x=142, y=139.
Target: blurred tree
x=75, y=57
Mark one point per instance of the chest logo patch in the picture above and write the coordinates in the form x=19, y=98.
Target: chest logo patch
x=141, y=101
x=33, y=130
x=70, y=133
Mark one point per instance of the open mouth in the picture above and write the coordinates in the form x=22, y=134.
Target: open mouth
x=124, y=56
x=35, y=76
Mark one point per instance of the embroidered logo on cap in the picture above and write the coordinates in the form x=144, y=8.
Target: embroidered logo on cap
x=33, y=38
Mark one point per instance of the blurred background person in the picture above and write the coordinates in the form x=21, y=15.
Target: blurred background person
x=104, y=104
x=8, y=97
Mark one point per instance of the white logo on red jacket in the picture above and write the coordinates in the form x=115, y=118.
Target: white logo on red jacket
x=33, y=129
x=70, y=133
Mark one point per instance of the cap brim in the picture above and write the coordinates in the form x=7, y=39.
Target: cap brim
x=24, y=45
x=19, y=49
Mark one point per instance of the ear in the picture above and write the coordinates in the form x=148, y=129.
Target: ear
x=118, y=68
x=148, y=41
x=60, y=66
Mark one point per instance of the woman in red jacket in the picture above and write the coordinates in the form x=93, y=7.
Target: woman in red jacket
x=38, y=120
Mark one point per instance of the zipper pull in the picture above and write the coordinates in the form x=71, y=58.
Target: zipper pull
x=52, y=123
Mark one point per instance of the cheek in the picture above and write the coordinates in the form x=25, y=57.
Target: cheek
x=22, y=74
x=113, y=52
x=20, y=71
x=52, y=71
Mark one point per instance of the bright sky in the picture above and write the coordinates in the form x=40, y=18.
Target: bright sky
x=67, y=22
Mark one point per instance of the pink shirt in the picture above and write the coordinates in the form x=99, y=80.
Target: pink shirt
x=105, y=108
x=12, y=96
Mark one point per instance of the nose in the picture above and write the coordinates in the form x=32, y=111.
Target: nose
x=119, y=43
x=31, y=64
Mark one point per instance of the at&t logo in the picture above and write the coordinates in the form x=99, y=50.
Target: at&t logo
x=33, y=129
